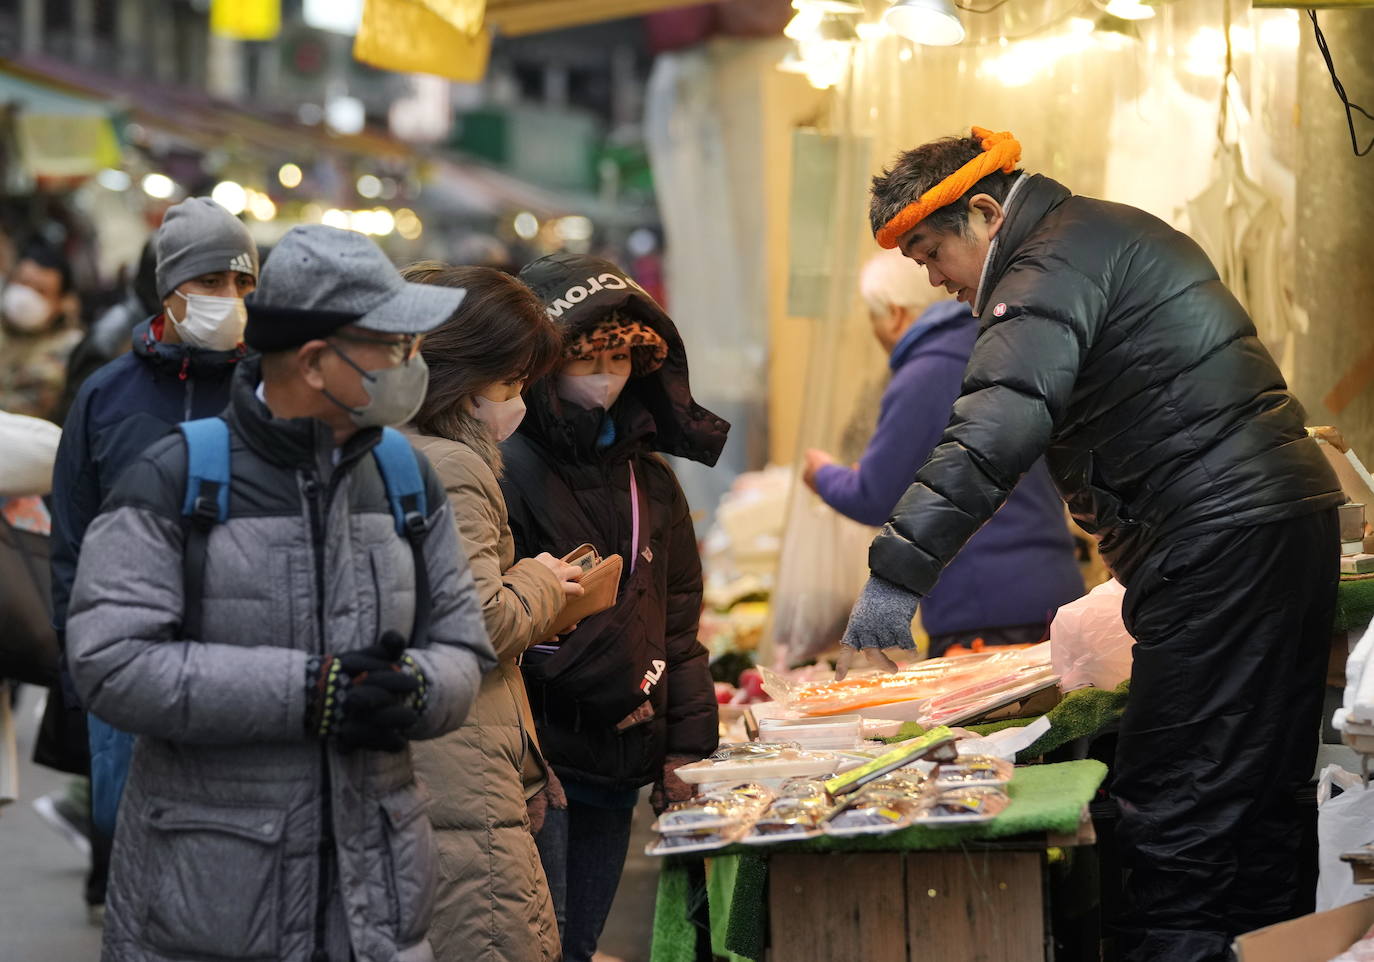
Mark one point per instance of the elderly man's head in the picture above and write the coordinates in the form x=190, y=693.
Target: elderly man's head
x=340, y=331
x=895, y=292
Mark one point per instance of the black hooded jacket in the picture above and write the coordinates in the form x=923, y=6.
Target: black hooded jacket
x=629, y=686
x=1111, y=346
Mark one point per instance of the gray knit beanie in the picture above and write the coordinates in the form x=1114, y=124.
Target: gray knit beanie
x=197, y=237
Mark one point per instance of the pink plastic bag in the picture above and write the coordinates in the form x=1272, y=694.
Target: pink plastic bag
x=1090, y=643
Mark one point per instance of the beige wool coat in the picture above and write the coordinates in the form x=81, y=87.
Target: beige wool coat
x=493, y=902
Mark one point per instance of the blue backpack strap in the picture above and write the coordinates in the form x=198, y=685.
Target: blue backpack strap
x=405, y=492
x=207, y=470
x=405, y=487
x=205, y=505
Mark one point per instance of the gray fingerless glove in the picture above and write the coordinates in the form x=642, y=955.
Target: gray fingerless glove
x=882, y=617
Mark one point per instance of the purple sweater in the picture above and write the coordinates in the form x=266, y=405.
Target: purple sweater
x=1019, y=568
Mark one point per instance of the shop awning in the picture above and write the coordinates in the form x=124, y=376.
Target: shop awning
x=193, y=117
x=59, y=134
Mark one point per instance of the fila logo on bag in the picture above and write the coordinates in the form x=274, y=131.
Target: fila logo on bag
x=241, y=262
x=999, y=311
x=652, y=676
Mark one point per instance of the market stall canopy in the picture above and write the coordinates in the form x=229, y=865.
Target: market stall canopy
x=192, y=117
x=58, y=134
x=517, y=17
x=452, y=38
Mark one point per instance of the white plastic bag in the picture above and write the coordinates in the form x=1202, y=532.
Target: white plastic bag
x=1344, y=823
x=824, y=566
x=1090, y=643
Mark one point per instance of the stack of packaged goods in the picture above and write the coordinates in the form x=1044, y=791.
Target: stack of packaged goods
x=764, y=794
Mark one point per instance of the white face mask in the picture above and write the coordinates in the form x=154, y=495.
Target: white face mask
x=213, y=323
x=25, y=308
x=500, y=417
x=592, y=391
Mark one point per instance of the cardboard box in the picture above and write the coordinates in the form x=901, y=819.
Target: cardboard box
x=1318, y=937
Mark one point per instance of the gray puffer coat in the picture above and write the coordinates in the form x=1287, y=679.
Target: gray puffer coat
x=239, y=836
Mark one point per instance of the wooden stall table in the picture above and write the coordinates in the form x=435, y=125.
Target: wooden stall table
x=975, y=893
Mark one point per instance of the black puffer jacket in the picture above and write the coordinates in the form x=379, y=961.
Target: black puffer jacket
x=641, y=658
x=1110, y=346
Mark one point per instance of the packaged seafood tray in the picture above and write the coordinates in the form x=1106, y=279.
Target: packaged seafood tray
x=827, y=732
x=717, y=811
x=935, y=745
x=937, y=684
x=964, y=806
x=794, y=816
x=889, y=804
x=757, y=762
x=970, y=771
x=687, y=843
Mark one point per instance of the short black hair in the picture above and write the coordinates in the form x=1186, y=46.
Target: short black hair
x=50, y=258
x=918, y=170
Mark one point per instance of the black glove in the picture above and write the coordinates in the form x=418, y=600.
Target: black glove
x=366, y=698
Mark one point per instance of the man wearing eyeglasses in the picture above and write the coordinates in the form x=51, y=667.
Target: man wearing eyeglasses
x=271, y=810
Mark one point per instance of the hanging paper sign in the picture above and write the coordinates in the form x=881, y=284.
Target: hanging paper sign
x=409, y=36
x=245, y=19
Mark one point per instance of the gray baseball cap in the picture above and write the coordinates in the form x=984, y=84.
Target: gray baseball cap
x=319, y=279
x=200, y=237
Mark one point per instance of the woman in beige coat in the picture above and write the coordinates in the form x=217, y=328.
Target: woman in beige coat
x=493, y=902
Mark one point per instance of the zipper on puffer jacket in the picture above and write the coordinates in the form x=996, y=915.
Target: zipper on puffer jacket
x=190, y=392
x=310, y=488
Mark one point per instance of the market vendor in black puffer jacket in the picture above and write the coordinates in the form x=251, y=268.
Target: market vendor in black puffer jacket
x=625, y=698
x=1110, y=346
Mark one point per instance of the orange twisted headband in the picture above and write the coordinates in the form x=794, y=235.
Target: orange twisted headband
x=1001, y=151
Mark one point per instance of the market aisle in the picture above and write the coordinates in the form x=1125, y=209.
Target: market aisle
x=629, y=929
x=42, y=915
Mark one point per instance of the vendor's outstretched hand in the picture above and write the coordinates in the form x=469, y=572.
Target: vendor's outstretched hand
x=881, y=619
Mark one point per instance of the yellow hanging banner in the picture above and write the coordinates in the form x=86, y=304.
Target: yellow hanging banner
x=466, y=16
x=245, y=19
x=411, y=37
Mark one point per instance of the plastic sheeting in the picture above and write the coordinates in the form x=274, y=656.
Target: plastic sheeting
x=707, y=142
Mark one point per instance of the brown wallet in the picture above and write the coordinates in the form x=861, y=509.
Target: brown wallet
x=600, y=581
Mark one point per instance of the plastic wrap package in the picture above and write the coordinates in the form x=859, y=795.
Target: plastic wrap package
x=824, y=566
x=1355, y=718
x=1091, y=644
x=1345, y=822
x=795, y=815
x=1361, y=951
x=710, y=821
x=964, y=806
x=755, y=763
x=933, y=692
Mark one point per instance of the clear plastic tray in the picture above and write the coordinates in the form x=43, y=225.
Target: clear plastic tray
x=995, y=803
x=790, y=763
x=689, y=844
